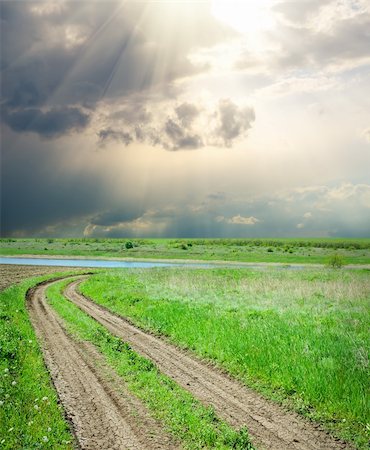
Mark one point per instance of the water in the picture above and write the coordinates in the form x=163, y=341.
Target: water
x=95, y=263
x=109, y=264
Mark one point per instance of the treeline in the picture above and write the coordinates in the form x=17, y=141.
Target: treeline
x=283, y=242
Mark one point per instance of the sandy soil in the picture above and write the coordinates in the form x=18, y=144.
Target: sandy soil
x=270, y=426
x=104, y=415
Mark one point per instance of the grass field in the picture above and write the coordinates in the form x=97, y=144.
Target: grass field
x=30, y=416
x=353, y=251
x=300, y=337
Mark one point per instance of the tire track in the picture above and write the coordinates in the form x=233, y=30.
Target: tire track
x=269, y=425
x=104, y=415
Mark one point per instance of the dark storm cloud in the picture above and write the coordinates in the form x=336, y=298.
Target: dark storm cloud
x=186, y=127
x=37, y=193
x=180, y=138
x=53, y=123
x=113, y=217
x=73, y=54
x=116, y=135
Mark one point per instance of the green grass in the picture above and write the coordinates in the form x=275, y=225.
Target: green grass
x=195, y=425
x=30, y=417
x=318, y=250
x=300, y=337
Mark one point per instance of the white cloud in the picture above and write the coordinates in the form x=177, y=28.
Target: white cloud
x=238, y=220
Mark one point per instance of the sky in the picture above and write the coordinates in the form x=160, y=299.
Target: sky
x=185, y=118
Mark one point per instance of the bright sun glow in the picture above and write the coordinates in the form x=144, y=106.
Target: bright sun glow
x=248, y=16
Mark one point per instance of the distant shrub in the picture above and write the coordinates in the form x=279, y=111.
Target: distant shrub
x=336, y=261
x=129, y=245
x=50, y=241
x=270, y=250
x=184, y=246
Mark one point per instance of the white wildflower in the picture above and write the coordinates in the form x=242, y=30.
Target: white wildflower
x=49, y=429
x=36, y=407
x=6, y=395
x=44, y=399
x=14, y=383
x=30, y=341
x=6, y=370
x=45, y=438
x=10, y=430
x=30, y=423
x=1, y=403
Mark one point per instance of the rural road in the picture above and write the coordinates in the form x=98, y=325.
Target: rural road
x=103, y=414
x=270, y=426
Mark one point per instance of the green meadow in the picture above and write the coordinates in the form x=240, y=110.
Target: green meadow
x=316, y=250
x=300, y=337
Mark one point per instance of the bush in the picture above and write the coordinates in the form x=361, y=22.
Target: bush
x=336, y=261
x=129, y=245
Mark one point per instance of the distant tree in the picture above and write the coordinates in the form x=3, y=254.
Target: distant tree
x=336, y=261
x=129, y=245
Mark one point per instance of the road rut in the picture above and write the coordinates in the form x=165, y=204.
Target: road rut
x=270, y=426
x=103, y=414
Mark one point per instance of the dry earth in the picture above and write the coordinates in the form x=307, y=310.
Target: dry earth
x=270, y=426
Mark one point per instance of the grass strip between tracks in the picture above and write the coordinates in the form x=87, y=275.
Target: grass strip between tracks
x=30, y=416
x=299, y=337
x=187, y=419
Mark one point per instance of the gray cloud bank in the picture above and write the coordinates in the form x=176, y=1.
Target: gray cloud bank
x=34, y=204
x=61, y=59
x=338, y=211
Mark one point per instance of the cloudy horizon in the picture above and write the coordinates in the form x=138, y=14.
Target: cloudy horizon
x=185, y=118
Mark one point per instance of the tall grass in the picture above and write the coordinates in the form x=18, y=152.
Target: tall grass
x=299, y=337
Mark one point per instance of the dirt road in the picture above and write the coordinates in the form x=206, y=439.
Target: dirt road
x=104, y=415
x=12, y=274
x=270, y=426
